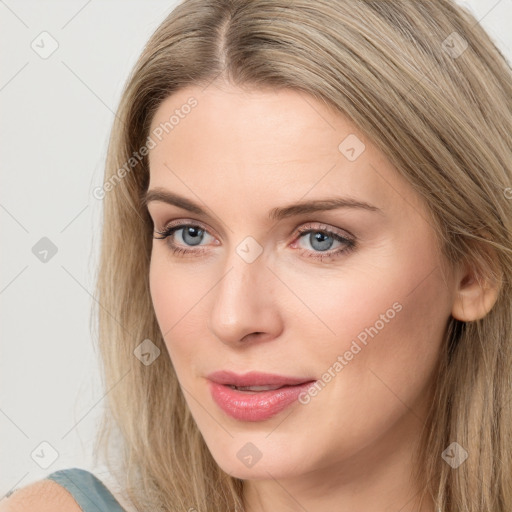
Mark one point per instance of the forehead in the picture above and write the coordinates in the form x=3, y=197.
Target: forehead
x=269, y=119
x=266, y=141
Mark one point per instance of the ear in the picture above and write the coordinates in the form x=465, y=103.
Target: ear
x=476, y=294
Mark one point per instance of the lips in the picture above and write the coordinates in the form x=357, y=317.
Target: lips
x=255, y=396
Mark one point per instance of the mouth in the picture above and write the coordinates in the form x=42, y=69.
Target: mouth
x=255, y=396
x=255, y=389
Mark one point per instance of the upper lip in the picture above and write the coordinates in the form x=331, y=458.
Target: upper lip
x=254, y=378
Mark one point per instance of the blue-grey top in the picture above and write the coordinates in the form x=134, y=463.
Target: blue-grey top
x=88, y=491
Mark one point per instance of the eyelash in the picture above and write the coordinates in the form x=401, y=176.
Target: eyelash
x=349, y=244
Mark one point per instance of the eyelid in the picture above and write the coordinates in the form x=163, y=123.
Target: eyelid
x=299, y=230
x=183, y=223
x=159, y=214
x=319, y=226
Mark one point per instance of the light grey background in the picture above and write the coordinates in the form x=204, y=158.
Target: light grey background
x=56, y=114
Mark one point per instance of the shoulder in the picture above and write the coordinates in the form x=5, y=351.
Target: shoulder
x=65, y=490
x=41, y=496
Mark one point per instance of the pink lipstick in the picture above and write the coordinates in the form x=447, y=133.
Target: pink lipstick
x=255, y=396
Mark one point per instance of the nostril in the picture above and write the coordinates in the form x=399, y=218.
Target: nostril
x=250, y=335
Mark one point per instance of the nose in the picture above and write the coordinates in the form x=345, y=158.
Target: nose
x=245, y=305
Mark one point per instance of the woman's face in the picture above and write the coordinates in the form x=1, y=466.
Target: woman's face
x=347, y=294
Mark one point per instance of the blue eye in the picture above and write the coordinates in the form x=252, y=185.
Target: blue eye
x=191, y=235
x=320, y=239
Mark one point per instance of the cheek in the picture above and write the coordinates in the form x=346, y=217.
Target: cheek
x=174, y=295
x=389, y=344
x=405, y=352
x=366, y=309
x=379, y=321
x=181, y=296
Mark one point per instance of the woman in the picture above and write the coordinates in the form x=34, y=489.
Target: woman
x=306, y=261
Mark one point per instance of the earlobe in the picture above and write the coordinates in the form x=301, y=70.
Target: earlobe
x=475, y=295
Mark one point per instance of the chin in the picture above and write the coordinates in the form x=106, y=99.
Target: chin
x=243, y=459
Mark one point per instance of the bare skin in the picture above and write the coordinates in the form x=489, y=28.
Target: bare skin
x=238, y=155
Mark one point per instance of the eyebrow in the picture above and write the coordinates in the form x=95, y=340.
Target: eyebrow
x=278, y=213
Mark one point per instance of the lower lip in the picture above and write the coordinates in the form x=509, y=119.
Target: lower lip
x=255, y=406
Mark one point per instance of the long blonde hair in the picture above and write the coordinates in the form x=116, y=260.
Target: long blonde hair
x=426, y=84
